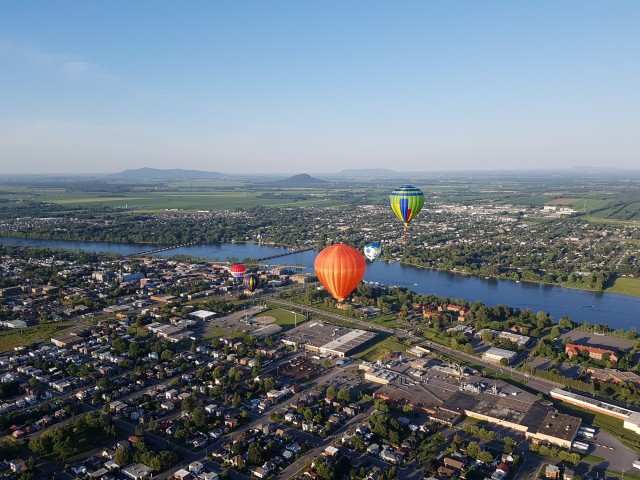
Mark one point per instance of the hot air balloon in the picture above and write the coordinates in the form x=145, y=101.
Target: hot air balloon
x=406, y=202
x=372, y=251
x=340, y=268
x=237, y=271
x=251, y=282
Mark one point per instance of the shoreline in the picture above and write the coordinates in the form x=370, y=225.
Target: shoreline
x=289, y=247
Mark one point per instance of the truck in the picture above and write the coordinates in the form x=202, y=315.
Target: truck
x=583, y=447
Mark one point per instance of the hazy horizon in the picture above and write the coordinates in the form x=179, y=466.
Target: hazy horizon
x=392, y=174
x=289, y=87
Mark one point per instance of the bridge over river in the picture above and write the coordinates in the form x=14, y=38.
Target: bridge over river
x=189, y=244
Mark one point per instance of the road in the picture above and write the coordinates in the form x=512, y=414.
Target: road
x=537, y=384
x=299, y=464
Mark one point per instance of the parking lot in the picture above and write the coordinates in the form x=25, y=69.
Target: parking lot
x=300, y=368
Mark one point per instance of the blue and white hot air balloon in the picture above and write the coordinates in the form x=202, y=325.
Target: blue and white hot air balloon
x=372, y=251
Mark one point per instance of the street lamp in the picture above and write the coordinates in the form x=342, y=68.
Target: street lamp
x=295, y=317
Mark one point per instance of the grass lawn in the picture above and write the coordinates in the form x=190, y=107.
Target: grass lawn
x=26, y=336
x=625, y=286
x=214, y=331
x=593, y=459
x=389, y=320
x=381, y=349
x=625, y=475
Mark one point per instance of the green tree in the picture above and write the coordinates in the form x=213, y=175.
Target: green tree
x=199, y=417
x=166, y=355
x=473, y=450
x=509, y=444
x=123, y=456
x=325, y=471
x=254, y=454
x=189, y=403
x=344, y=395
x=485, y=456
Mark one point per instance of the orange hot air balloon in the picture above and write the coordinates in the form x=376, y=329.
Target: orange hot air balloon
x=340, y=268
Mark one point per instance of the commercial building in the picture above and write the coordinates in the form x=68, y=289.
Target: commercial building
x=328, y=339
x=164, y=298
x=446, y=398
x=67, y=341
x=517, y=338
x=573, y=349
x=495, y=355
x=203, y=314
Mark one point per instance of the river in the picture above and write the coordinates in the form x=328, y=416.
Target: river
x=618, y=311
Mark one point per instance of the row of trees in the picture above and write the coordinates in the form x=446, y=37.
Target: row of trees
x=479, y=432
x=555, y=453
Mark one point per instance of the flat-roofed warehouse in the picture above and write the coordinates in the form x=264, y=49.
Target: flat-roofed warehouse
x=557, y=428
x=330, y=339
x=447, y=397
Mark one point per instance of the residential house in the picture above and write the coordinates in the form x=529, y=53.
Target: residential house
x=137, y=471
x=182, y=474
x=196, y=467
x=17, y=465
x=258, y=472
x=552, y=471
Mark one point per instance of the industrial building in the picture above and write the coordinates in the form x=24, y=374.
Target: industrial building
x=447, y=395
x=328, y=339
x=630, y=418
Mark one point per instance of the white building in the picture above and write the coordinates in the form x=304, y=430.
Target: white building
x=495, y=355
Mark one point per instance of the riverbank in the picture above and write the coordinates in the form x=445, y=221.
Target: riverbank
x=619, y=311
x=621, y=285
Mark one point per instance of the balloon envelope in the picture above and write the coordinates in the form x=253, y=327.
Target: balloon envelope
x=237, y=271
x=406, y=202
x=251, y=282
x=340, y=268
x=372, y=251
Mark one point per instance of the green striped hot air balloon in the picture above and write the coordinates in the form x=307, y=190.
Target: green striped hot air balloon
x=406, y=202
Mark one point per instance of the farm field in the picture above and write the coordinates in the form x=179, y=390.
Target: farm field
x=163, y=201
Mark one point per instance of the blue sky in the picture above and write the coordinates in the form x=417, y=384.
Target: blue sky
x=293, y=86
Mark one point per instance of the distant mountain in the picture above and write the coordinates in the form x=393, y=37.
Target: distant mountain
x=370, y=172
x=302, y=180
x=147, y=173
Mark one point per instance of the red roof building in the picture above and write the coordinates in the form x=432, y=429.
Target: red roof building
x=572, y=349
